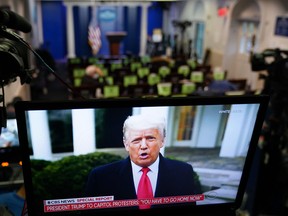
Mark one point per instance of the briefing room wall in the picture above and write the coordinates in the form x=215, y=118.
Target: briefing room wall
x=270, y=11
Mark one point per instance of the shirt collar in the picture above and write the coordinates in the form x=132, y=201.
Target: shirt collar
x=153, y=167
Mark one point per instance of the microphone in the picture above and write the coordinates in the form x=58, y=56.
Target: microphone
x=14, y=21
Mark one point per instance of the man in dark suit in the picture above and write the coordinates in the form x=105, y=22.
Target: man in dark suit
x=143, y=137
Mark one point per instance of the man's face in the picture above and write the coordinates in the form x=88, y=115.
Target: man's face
x=144, y=146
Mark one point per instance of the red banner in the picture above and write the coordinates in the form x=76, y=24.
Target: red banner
x=91, y=203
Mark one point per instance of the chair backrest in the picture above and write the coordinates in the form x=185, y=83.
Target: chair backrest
x=75, y=61
x=153, y=79
x=142, y=72
x=219, y=74
x=192, y=63
x=145, y=59
x=184, y=70
x=163, y=71
x=164, y=89
x=92, y=60
x=111, y=91
x=188, y=88
x=130, y=80
x=197, y=77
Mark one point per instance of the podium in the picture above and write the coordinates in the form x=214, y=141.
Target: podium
x=115, y=39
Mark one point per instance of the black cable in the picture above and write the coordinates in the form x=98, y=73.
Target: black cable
x=56, y=75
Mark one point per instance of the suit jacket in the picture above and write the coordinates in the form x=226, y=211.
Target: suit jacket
x=174, y=178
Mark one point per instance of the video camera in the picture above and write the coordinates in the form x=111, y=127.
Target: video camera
x=268, y=58
x=14, y=58
x=275, y=62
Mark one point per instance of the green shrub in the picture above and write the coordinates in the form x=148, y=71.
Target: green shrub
x=38, y=165
x=53, y=178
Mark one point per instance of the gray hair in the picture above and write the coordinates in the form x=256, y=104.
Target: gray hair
x=144, y=121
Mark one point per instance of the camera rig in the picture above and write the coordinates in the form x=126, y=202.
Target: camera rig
x=275, y=62
x=14, y=58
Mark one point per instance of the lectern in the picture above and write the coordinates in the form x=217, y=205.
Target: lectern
x=115, y=39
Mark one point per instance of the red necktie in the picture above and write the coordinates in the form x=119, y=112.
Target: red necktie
x=144, y=188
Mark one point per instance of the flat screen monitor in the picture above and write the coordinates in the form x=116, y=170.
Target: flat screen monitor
x=76, y=155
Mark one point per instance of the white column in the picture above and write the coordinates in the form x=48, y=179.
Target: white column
x=84, y=134
x=143, y=33
x=70, y=32
x=239, y=129
x=206, y=126
x=40, y=136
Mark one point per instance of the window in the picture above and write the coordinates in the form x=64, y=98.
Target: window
x=248, y=31
x=60, y=124
x=186, y=121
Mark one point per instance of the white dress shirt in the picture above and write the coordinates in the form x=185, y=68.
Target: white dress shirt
x=152, y=174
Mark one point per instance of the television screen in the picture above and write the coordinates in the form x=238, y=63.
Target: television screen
x=198, y=151
x=9, y=134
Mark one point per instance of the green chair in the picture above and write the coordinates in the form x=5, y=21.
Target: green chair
x=92, y=60
x=184, y=70
x=163, y=71
x=218, y=74
x=192, y=63
x=145, y=59
x=142, y=72
x=111, y=91
x=130, y=80
x=153, y=79
x=197, y=77
x=164, y=89
x=75, y=61
x=188, y=88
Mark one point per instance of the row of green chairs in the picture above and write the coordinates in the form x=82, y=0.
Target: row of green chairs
x=132, y=78
x=163, y=89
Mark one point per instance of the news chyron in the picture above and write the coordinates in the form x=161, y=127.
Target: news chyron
x=88, y=203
